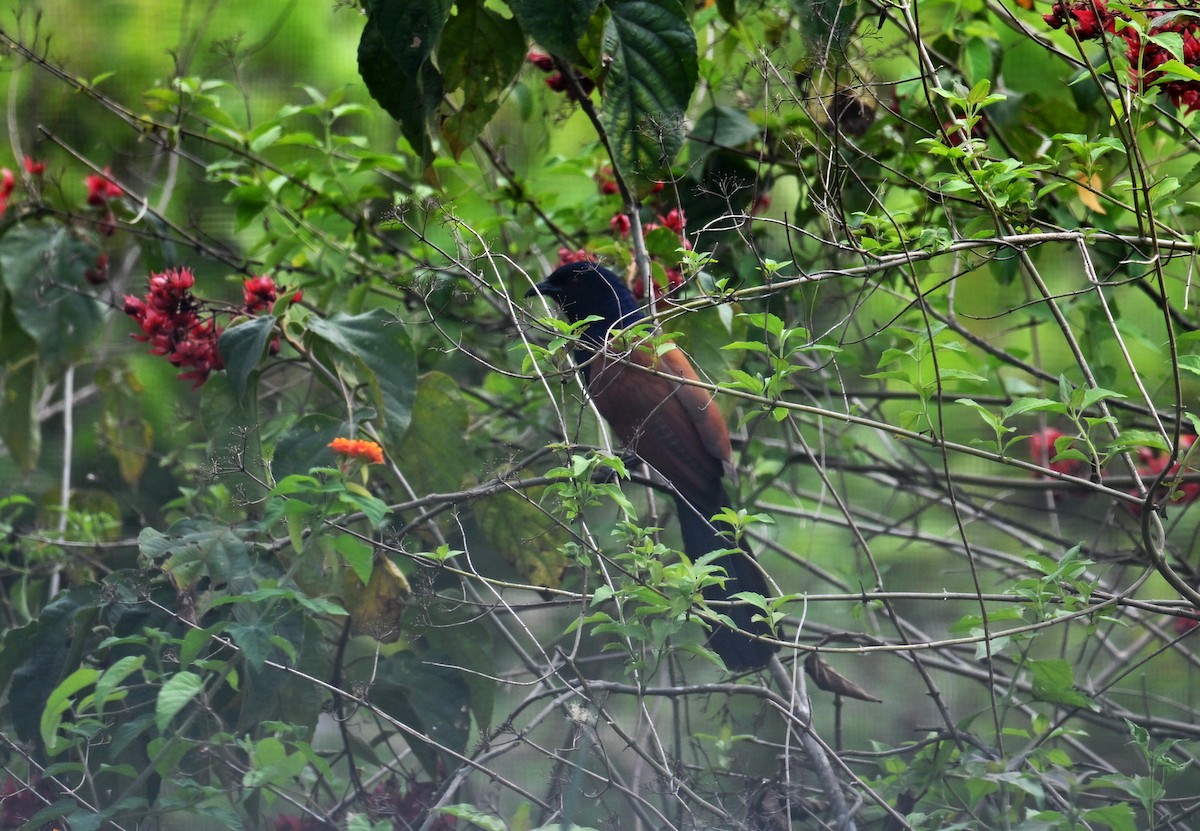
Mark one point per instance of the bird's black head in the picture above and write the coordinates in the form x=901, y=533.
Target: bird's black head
x=586, y=289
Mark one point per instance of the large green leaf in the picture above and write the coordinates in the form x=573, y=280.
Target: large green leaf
x=374, y=349
x=434, y=456
x=556, y=26
x=195, y=550
x=20, y=388
x=242, y=348
x=481, y=53
x=393, y=60
x=42, y=268
x=525, y=536
x=45, y=650
x=650, y=81
x=429, y=696
x=305, y=444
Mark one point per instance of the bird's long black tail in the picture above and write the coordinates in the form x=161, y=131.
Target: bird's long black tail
x=739, y=652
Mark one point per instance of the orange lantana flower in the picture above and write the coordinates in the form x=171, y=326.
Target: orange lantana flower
x=368, y=451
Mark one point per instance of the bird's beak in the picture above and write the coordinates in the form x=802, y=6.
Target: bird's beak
x=544, y=289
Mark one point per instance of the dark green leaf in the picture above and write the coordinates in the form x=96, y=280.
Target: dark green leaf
x=724, y=127
x=375, y=346
x=650, y=80
x=42, y=268
x=21, y=386
x=409, y=29
x=400, y=78
x=242, y=347
x=481, y=53
x=50, y=657
x=434, y=455
x=556, y=26
x=304, y=445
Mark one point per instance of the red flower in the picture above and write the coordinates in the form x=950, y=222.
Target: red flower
x=34, y=168
x=259, y=293
x=367, y=451
x=1042, y=448
x=582, y=255
x=97, y=275
x=674, y=282
x=674, y=220
x=169, y=317
x=101, y=189
x=7, y=182
x=620, y=225
x=1183, y=625
x=541, y=60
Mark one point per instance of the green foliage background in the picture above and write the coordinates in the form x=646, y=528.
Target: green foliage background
x=917, y=235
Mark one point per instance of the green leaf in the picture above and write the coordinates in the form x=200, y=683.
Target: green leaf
x=60, y=700
x=525, y=535
x=375, y=347
x=481, y=53
x=478, y=818
x=242, y=348
x=175, y=694
x=305, y=444
x=20, y=388
x=556, y=26
x=42, y=268
x=649, y=84
x=358, y=555
x=39, y=654
x=976, y=60
x=1119, y=817
x=393, y=60
x=434, y=454
x=1054, y=681
x=720, y=127
x=1190, y=363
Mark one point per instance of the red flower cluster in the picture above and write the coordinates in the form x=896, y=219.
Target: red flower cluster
x=34, y=167
x=556, y=80
x=1042, y=449
x=170, y=317
x=7, y=182
x=18, y=803
x=97, y=275
x=101, y=189
x=582, y=255
x=259, y=293
x=1090, y=19
x=1152, y=463
x=674, y=221
x=181, y=327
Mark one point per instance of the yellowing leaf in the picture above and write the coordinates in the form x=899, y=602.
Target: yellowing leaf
x=376, y=609
x=1087, y=191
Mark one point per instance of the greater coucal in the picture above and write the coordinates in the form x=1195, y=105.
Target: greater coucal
x=675, y=428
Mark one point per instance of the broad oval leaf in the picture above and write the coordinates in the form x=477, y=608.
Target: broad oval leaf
x=650, y=80
x=242, y=347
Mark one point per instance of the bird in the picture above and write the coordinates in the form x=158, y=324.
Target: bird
x=676, y=429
